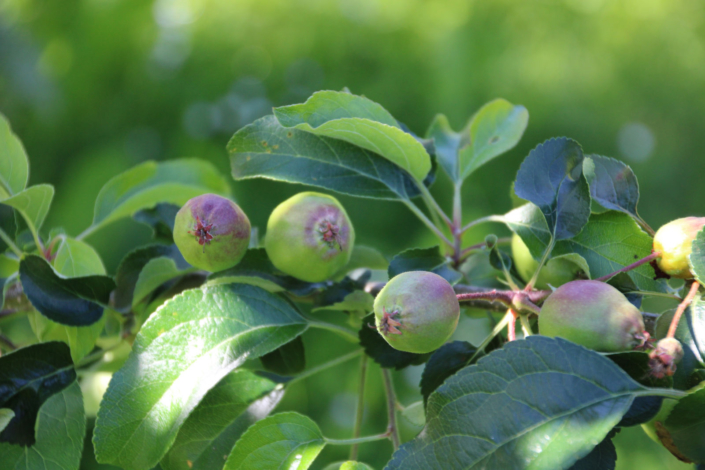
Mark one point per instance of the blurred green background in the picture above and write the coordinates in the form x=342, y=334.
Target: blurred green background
x=93, y=87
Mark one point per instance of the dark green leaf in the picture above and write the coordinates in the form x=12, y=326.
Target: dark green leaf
x=284, y=440
x=161, y=219
x=528, y=222
x=611, y=241
x=363, y=257
x=447, y=144
x=60, y=429
x=551, y=177
x=239, y=400
x=132, y=265
x=423, y=259
x=361, y=122
x=613, y=185
x=444, y=362
x=338, y=291
x=602, y=457
x=643, y=410
x=381, y=352
x=493, y=130
x=147, y=184
x=14, y=167
x=287, y=359
x=265, y=149
x=185, y=348
x=507, y=420
x=28, y=378
x=255, y=268
x=686, y=425
x=76, y=301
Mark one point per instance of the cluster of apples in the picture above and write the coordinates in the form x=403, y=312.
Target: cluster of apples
x=309, y=236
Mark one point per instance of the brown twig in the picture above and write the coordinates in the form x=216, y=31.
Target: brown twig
x=645, y=260
x=681, y=308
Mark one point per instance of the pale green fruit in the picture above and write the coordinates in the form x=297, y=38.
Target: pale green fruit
x=593, y=314
x=674, y=240
x=212, y=232
x=417, y=312
x=309, y=236
x=555, y=272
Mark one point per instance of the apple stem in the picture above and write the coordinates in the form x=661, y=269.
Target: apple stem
x=392, y=428
x=681, y=308
x=644, y=260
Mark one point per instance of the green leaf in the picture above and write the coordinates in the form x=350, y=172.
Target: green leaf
x=142, y=187
x=29, y=377
x=61, y=427
x=75, y=258
x=134, y=280
x=265, y=149
x=239, y=400
x=686, y=425
x=356, y=301
x=161, y=219
x=6, y=415
x=528, y=222
x=33, y=204
x=696, y=259
x=185, y=348
x=14, y=166
x=327, y=105
x=611, y=241
x=256, y=269
x=287, y=359
x=447, y=144
x=613, y=184
x=445, y=361
x=414, y=413
x=507, y=420
x=76, y=301
x=381, y=352
x=423, y=259
x=361, y=122
x=495, y=129
x=551, y=177
x=284, y=440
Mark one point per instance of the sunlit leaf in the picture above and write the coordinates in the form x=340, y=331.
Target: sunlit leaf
x=185, y=348
x=239, y=400
x=33, y=203
x=145, y=185
x=14, y=167
x=284, y=440
x=266, y=149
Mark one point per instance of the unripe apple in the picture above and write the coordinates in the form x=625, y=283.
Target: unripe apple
x=593, y=314
x=663, y=359
x=674, y=241
x=555, y=272
x=309, y=236
x=417, y=312
x=212, y=232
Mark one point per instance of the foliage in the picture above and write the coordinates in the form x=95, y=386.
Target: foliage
x=207, y=357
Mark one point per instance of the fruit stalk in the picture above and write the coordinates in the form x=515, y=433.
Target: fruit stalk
x=634, y=265
x=681, y=308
